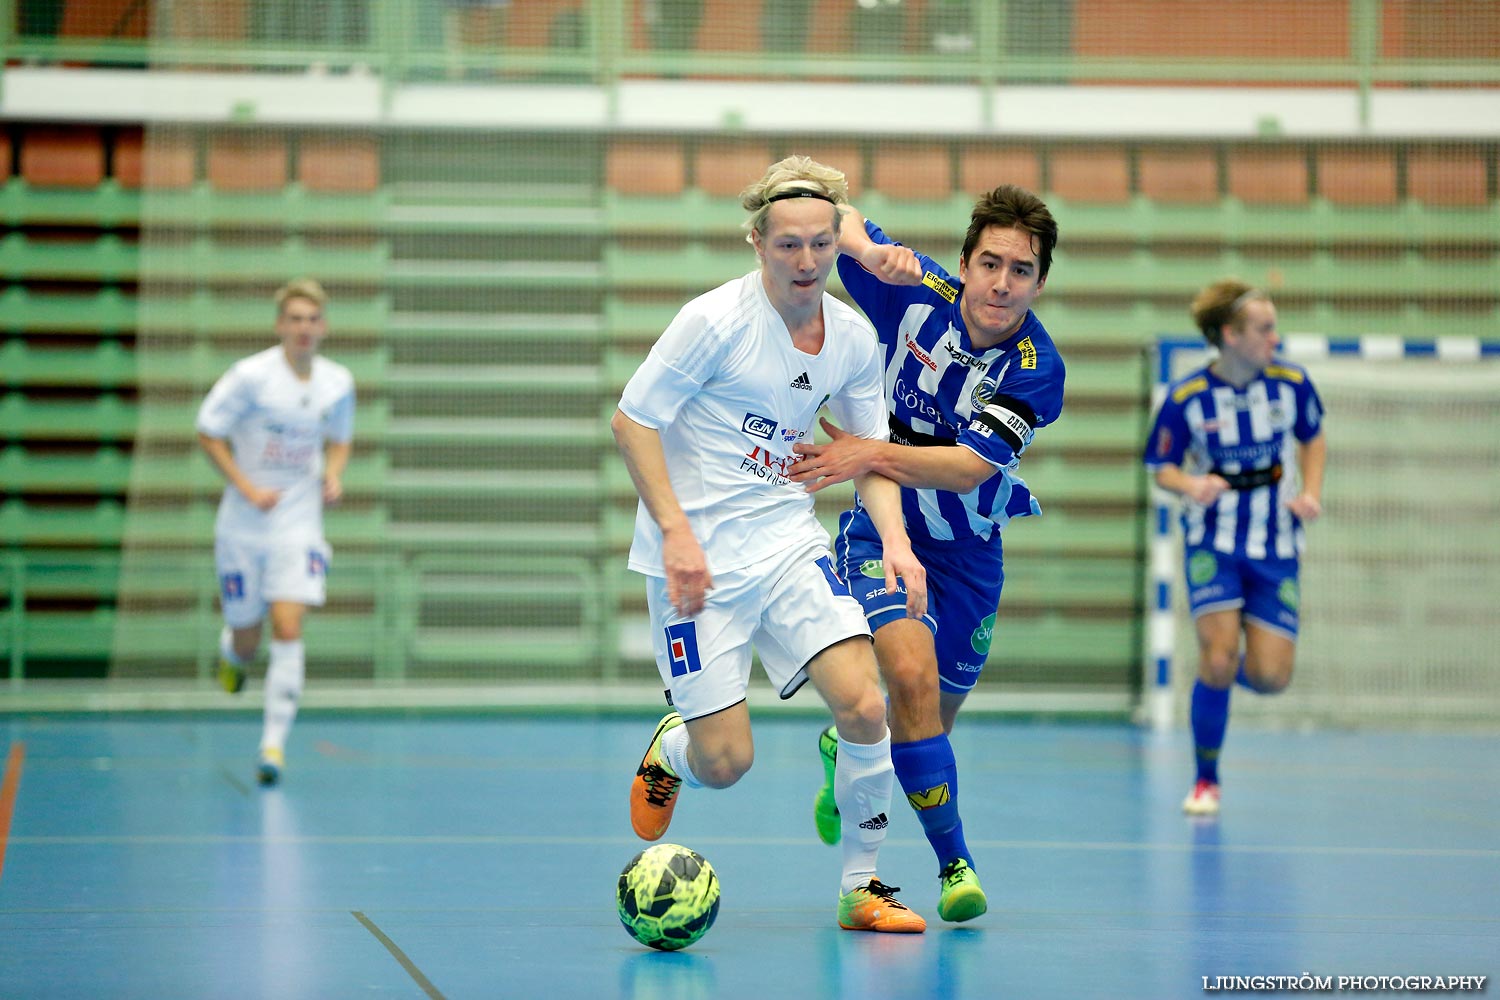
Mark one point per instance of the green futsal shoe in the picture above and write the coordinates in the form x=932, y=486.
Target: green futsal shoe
x=961, y=897
x=825, y=808
x=231, y=676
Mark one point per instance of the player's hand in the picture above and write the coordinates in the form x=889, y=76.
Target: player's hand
x=840, y=460
x=333, y=490
x=1206, y=489
x=688, y=579
x=262, y=498
x=1306, y=506
x=901, y=562
x=892, y=264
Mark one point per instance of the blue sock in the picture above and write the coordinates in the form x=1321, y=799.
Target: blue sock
x=929, y=777
x=1210, y=717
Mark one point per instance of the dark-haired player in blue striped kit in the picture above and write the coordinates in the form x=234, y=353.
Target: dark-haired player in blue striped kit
x=1228, y=439
x=970, y=375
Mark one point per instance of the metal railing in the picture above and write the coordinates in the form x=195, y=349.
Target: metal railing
x=399, y=41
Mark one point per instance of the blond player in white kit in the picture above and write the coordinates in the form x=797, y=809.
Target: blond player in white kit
x=733, y=553
x=279, y=426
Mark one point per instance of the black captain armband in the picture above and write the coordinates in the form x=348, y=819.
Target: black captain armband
x=1254, y=479
x=1010, y=419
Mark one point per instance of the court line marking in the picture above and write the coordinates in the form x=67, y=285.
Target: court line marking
x=8, y=786
x=400, y=956
x=518, y=841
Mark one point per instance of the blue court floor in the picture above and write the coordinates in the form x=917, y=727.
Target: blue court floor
x=475, y=857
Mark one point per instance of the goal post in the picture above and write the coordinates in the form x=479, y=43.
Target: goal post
x=1401, y=573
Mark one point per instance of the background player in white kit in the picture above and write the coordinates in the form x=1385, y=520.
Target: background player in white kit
x=733, y=553
x=279, y=425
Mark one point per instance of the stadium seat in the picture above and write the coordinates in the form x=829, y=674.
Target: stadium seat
x=62, y=157
x=1092, y=649
x=199, y=364
x=338, y=163
x=1093, y=432
x=104, y=364
x=222, y=262
x=64, y=635
x=103, y=472
x=1089, y=173
x=913, y=171
x=722, y=168
x=247, y=161
x=1179, y=173
x=1447, y=176
x=645, y=167
x=186, y=473
x=632, y=320
x=1262, y=175
x=105, y=418
x=1077, y=480
x=690, y=268
x=217, y=315
x=983, y=167
x=80, y=575
x=1357, y=175
x=1091, y=583
x=99, y=524
x=730, y=26
x=104, y=259
x=157, y=159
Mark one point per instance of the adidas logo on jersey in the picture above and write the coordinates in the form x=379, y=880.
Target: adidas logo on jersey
x=802, y=382
x=878, y=823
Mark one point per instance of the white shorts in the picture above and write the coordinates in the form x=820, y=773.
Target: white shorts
x=790, y=607
x=253, y=574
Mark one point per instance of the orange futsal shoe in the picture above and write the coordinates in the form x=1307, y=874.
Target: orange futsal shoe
x=874, y=907
x=653, y=793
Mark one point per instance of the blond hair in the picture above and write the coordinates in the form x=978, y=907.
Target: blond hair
x=1222, y=304
x=786, y=178
x=300, y=288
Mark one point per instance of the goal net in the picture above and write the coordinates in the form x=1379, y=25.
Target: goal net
x=1399, y=578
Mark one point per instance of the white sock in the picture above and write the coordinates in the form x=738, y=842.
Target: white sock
x=226, y=647
x=284, y=679
x=674, y=748
x=863, y=779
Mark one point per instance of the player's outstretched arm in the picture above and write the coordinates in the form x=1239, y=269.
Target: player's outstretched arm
x=688, y=579
x=222, y=456
x=1312, y=459
x=846, y=456
x=892, y=264
x=882, y=498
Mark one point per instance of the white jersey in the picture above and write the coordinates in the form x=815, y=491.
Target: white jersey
x=276, y=425
x=730, y=396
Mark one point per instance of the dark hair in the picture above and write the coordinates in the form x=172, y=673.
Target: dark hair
x=1012, y=207
x=1222, y=304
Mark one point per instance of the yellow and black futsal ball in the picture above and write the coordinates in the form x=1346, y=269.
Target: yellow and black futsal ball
x=668, y=897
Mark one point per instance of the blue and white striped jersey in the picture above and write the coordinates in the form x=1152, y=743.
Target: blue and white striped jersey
x=1247, y=435
x=941, y=391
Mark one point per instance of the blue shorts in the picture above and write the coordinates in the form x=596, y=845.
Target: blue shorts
x=964, y=579
x=1266, y=589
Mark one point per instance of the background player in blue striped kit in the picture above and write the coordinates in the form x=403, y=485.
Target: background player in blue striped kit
x=1227, y=439
x=970, y=374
